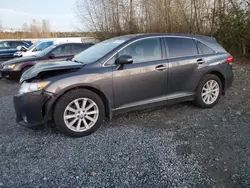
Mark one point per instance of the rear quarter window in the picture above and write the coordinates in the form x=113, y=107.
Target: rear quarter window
x=180, y=47
x=204, y=49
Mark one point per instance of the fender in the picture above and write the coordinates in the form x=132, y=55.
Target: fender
x=50, y=103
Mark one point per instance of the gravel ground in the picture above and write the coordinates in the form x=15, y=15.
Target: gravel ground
x=171, y=146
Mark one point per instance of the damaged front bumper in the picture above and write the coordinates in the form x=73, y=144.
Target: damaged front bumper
x=31, y=108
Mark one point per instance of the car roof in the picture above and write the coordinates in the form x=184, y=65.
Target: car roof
x=209, y=41
x=78, y=43
x=143, y=35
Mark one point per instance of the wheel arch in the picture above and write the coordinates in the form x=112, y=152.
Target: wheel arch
x=107, y=104
x=220, y=75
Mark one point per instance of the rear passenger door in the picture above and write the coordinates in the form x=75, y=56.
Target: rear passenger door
x=184, y=63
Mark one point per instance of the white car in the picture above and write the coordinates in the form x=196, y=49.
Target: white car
x=43, y=44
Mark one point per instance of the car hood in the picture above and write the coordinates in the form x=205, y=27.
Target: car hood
x=49, y=67
x=20, y=60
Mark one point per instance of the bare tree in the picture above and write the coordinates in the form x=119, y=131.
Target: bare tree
x=45, y=28
x=228, y=20
x=1, y=26
x=25, y=27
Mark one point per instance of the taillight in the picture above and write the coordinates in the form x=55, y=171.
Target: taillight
x=230, y=59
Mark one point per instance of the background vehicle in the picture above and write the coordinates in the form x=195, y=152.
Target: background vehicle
x=9, y=47
x=16, y=67
x=123, y=74
x=43, y=44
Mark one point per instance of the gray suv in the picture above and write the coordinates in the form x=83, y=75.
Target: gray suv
x=122, y=74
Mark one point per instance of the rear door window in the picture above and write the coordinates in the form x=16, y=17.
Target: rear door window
x=204, y=49
x=180, y=47
x=15, y=44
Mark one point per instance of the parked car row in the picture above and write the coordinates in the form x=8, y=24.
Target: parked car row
x=118, y=75
x=9, y=47
x=14, y=68
x=45, y=50
x=20, y=48
x=43, y=44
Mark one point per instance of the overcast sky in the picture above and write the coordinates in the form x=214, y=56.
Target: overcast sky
x=60, y=13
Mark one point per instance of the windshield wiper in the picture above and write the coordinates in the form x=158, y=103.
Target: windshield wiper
x=77, y=61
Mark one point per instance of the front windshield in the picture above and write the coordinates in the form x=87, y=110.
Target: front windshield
x=33, y=45
x=45, y=51
x=98, y=51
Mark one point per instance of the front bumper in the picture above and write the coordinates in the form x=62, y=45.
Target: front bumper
x=30, y=108
x=10, y=74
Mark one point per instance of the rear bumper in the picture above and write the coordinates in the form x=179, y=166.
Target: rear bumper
x=229, y=78
x=29, y=108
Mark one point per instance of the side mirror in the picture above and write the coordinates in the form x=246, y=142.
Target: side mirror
x=21, y=48
x=24, y=49
x=124, y=59
x=52, y=56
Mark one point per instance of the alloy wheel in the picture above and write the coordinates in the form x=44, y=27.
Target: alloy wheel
x=81, y=114
x=210, y=92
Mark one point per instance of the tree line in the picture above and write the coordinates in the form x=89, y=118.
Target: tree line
x=227, y=20
x=38, y=29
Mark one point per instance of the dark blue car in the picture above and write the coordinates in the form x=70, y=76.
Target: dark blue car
x=9, y=47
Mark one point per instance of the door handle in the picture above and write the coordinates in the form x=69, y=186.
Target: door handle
x=200, y=61
x=161, y=67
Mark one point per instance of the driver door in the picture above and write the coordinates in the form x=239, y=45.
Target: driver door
x=143, y=82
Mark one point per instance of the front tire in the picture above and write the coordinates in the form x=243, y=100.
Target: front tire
x=208, y=91
x=79, y=113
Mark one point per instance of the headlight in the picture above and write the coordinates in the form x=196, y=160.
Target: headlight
x=9, y=66
x=29, y=87
x=18, y=54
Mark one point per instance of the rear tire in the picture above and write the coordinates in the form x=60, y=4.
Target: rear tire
x=208, y=91
x=72, y=116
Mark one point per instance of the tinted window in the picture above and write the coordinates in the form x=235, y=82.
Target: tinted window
x=144, y=50
x=42, y=46
x=62, y=50
x=204, y=49
x=4, y=44
x=181, y=47
x=76, y=48
x=15, y=44
x=45, y=51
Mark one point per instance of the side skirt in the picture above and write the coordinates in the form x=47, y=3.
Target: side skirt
x=155, y=103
